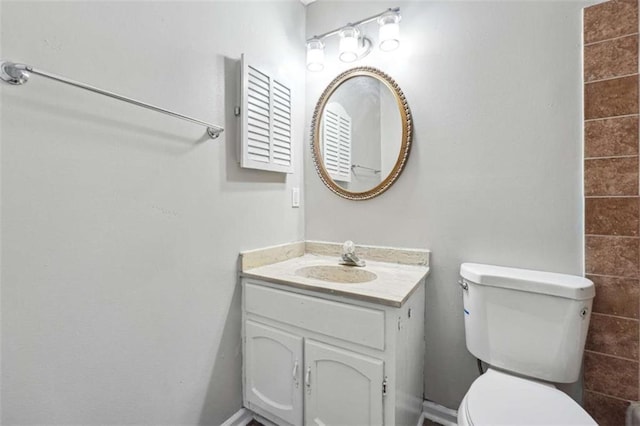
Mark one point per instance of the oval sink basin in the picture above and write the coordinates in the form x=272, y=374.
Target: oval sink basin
x=337, y=274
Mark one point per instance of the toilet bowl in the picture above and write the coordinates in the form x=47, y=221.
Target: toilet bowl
x=498, y=398
x=531, y=327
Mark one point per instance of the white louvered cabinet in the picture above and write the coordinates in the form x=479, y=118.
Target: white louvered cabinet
x=316, y=359
x=336, y=139
x=266, y=141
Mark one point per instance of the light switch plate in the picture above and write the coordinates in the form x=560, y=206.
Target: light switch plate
x=295, y=197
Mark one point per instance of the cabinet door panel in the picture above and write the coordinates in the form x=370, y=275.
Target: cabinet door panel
x=341, y=387
x=273, y=370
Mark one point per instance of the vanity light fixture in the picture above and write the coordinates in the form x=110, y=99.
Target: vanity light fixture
x=389, y=34
x=315, y=54
x=355, y=45
x=349, y=43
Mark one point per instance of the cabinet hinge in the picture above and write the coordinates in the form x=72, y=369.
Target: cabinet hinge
x=384, y=386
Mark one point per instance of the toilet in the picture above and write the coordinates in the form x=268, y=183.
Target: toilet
x=530, y=327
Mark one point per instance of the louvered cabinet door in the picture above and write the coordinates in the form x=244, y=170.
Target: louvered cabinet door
x=266, y=140
x=336, y=142
x=273, y=372
x=341, y=387
x=258, y=112
x=282, y=153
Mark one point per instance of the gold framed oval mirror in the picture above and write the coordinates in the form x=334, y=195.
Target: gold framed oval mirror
x=361, y=133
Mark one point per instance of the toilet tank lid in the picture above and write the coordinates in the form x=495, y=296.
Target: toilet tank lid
x=550, y=283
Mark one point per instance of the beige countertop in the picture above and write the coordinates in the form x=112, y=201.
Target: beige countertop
x=394, y=284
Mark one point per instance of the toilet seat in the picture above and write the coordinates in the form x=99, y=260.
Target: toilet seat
x=497, y=398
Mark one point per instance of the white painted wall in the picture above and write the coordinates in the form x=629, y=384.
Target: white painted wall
x=494, y=175
x=121, y=227
x=1, y=56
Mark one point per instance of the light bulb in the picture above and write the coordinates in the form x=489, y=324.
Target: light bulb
x=315, y=55
x=389, y=35
x=349, y=44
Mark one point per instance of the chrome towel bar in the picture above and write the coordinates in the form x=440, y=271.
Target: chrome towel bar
x=18, y=74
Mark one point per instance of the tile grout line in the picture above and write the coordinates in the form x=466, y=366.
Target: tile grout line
x=589, y=120
x=611, y=276
x=611, y=196
x=626, y=277
x=610, y=78
x=609, y=39
x=612, y=236
x=610, y=157
x=615, y=316
x=612, y=356
x=636, y=237
x=608, y=396
x=618, y=357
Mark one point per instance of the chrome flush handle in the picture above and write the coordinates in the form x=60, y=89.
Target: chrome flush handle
x=463, y=284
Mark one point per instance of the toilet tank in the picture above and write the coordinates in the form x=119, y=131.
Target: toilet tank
x=528, y=322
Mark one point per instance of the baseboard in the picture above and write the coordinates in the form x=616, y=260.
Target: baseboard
x=438, y=413
x=421, y=419
x=241, y=418
x=430, y=410
x=262, y=420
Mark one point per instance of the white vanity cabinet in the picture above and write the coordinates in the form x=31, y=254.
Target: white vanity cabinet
x=312, y=358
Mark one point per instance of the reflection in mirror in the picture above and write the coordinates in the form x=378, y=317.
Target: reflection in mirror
x=359, y=116
x=361, y=133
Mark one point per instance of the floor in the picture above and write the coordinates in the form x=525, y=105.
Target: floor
x=427, y=422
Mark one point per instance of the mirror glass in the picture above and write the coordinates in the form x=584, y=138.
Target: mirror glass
x=361, y=133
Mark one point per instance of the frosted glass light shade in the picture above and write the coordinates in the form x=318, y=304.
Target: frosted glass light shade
x=349, y=44
x=389, y=34
x=315, y=55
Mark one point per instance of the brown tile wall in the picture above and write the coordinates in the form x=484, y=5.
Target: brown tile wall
x=612, y=208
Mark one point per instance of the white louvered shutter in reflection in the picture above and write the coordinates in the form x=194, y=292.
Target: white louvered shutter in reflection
x=336, y=132
x=266, y=122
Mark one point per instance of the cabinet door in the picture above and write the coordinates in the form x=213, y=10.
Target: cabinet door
x=273, y=371
x=341, y=387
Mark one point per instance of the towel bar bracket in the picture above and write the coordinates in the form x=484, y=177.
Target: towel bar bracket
x=12, y=74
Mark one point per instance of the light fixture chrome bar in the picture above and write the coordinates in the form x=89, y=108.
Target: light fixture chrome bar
x=18, y=74
x=354, y=24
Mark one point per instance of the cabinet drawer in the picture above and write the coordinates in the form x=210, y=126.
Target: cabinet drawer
x=355, y=324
